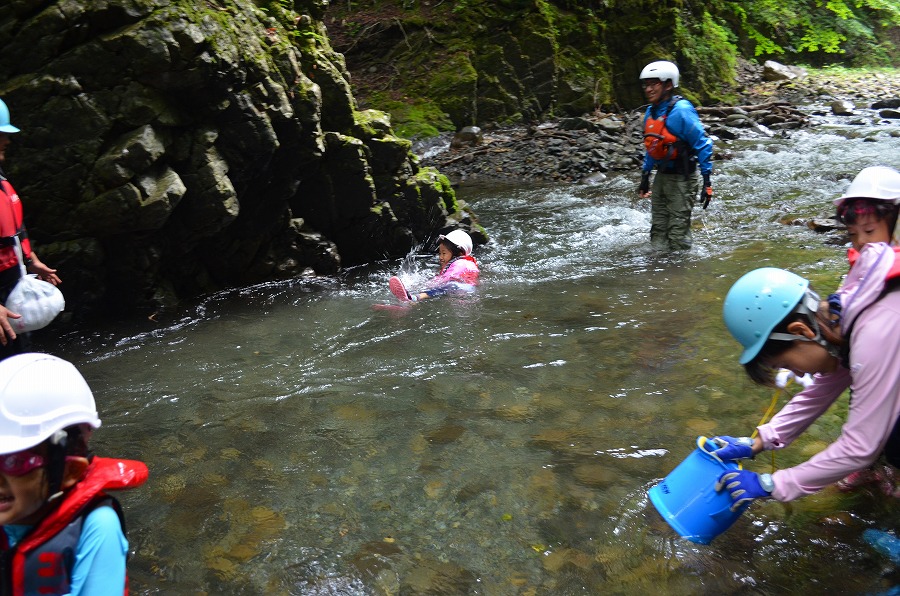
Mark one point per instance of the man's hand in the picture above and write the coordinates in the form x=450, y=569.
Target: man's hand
x=707, y=192
x=644, y=188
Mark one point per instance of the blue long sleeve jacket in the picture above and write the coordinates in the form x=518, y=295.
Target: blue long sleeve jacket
x=683, y=122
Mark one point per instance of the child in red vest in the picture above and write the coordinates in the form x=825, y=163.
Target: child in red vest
x=62, y=533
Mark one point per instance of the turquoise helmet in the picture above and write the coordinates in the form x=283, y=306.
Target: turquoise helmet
x=757, y=303
x=5, y=126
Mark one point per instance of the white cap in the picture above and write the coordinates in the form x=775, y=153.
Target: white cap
x=460, y=239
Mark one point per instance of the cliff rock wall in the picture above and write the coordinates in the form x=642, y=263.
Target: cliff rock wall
x=171, y=148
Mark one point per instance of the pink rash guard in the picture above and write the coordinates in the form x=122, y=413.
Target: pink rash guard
x=462, y=269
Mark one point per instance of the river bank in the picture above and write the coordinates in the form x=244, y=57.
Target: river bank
x=588, y=148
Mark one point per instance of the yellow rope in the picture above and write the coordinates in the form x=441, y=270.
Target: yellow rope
x=768, y=415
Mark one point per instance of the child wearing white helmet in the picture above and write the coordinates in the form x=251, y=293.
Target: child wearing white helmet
x=869, y=209
x=62, y=533
x=458, y=274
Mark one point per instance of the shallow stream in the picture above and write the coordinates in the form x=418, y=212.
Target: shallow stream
x=301, y=442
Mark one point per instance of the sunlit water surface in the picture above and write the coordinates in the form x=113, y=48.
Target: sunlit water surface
x=301, y=442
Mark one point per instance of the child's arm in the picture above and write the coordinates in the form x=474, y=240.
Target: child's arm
x=100, y=557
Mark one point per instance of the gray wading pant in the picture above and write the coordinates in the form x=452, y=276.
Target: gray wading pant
x=670, y=210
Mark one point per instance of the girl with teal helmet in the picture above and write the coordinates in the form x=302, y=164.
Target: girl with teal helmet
x=781, y=323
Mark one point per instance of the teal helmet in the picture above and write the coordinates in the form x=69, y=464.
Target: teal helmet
x=5, y=125
x=757, y=303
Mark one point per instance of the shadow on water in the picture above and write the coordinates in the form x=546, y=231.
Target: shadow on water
x=301, y=442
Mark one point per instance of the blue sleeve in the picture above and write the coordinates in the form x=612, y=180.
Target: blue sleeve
x=684, y=123
x=100, y=557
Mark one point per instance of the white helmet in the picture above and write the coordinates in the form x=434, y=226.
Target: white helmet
x=875, y=182
x=662, y=70
x=39, y=395
x=460, y=239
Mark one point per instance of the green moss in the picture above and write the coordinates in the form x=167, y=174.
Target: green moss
x=414, y=119
x=430, y=182
x=373, y=123
x=709, y=52
x=451, y=85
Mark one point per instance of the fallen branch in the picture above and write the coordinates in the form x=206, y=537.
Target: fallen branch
x=750, y=108
x=475, y=152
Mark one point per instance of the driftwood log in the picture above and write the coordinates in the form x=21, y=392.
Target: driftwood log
x=774, y=106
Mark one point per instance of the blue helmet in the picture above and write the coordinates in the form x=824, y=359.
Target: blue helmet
x=5, y=126
x=757, y=303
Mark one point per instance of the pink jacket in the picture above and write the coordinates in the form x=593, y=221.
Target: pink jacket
x=462, y=269
x=873, y=377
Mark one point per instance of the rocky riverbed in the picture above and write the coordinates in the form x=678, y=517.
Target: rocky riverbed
x=587, y=148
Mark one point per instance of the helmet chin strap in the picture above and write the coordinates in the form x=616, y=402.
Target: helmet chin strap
x=56, y=466
x=809, y=306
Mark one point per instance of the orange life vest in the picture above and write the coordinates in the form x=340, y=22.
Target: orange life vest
x=659, y=142
x=10, y=226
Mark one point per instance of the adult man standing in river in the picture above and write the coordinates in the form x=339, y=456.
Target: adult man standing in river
x=676, y=145
x=12, y=225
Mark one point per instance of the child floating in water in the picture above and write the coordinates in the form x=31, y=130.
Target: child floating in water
x=458, y=274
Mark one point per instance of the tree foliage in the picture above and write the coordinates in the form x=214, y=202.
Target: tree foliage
x=853, y=32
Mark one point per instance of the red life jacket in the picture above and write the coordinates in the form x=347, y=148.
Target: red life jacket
x=658, y=141
x=42, y=562
x=11, y=224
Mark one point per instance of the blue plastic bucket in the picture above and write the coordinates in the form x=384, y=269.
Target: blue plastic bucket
x=687, y=497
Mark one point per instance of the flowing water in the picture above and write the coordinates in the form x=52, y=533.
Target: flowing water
x=301, y=442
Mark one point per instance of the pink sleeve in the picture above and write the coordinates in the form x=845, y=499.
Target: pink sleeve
x=803, y=409
x=874, y=407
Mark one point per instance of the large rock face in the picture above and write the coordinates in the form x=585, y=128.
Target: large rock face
x=171, y=148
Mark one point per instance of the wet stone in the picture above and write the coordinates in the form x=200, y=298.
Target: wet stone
x=472, y=490
x=595, y=475
x=445, y=434
x=435, y=577
x=373, y=558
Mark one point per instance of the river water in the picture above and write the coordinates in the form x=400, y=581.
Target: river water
x=301, y=442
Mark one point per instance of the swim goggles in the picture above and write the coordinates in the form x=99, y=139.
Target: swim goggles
x=21, y=463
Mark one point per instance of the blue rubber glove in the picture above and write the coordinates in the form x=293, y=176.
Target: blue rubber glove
x=745, y=486
x=732, y=448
